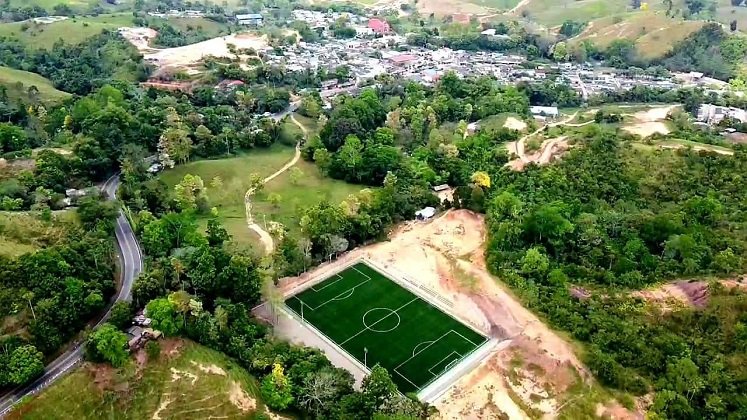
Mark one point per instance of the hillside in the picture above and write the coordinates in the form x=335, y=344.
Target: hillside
x=21, y=232
x=10, y=79
x=652, y=32
x=71, y=31
x=187, y=381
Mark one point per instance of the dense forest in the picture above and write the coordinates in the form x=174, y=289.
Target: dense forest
x=574, y=237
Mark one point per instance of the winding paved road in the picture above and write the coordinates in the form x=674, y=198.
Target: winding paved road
x=131, y=264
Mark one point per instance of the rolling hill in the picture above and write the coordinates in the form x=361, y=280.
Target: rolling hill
x=17, y=83
x=187, y=381
x=653, y=33
x=71, y=31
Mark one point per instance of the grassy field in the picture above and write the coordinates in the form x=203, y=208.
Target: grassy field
x=311, y=189
x=234, y=175
x=10, y=78
x=192, y=383
x=21, y=233
x=555, y=12
x=81, y=5
x=71, y=31
x=496, y=4
x=386, y=324
x=652, y=31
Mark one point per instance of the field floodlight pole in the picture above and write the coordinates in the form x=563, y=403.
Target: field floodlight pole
x=301, y=310
x=365, y=357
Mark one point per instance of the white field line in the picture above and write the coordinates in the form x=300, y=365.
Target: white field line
x=361, y=273
x=405, y=378
x=430, y=369
x=466, y=339
x=351, y=290
x=387, y=316
x=339, y=277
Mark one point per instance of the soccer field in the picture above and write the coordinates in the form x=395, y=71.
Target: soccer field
x=376, y=320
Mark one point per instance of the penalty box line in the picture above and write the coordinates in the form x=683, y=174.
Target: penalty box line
x=416, y=354
x=339, y=277
x=350, y=291
x=430, y=369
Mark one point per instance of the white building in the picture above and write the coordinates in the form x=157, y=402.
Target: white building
x=544, y=111
x=714, y=114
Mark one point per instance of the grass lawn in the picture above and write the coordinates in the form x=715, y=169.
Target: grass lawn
x=311, y=124
x=653, y=32
x=210, y=27
x=555, y=12
x=234, y=174
x=311, y=189
x=193, y=383
x=77, y=5
x=385, y=323
x=11, y=77
x=72, y=31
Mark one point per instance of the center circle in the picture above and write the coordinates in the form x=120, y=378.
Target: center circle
x=381, y=320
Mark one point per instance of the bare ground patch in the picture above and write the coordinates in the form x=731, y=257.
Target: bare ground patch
x=241, y=399
x=213, y=369
x=446, y=255
x=515, y=124
x=680, y=293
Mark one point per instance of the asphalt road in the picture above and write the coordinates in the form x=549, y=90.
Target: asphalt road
x=131, y=264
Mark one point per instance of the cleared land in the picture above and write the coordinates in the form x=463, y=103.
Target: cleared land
x=188, y=381
x=22, y=232
x=10, y=78
x=71, y=31
x=234, y=173
x=533, y=373
x=386, y=324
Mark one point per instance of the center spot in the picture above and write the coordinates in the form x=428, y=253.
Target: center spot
x=381, y=320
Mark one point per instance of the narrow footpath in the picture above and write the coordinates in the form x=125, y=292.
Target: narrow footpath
x=264, y=236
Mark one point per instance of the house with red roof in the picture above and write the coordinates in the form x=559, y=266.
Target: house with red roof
x=379, y=26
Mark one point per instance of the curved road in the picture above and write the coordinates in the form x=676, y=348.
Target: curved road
x=131, y=264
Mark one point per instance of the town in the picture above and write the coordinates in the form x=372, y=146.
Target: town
x=374, y=49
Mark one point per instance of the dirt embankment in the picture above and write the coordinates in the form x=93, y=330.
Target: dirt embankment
x=188, y=56
x=531, y=371
x=685, y=292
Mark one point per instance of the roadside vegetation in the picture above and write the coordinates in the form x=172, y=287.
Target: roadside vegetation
x=178, y=378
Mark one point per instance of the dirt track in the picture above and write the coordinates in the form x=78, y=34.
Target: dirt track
x=549, y=149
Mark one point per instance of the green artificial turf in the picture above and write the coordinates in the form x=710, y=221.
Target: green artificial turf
x=360, y=309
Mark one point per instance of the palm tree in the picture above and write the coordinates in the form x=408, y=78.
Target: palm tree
x=178, y=267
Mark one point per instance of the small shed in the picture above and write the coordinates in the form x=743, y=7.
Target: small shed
x=426, y=213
